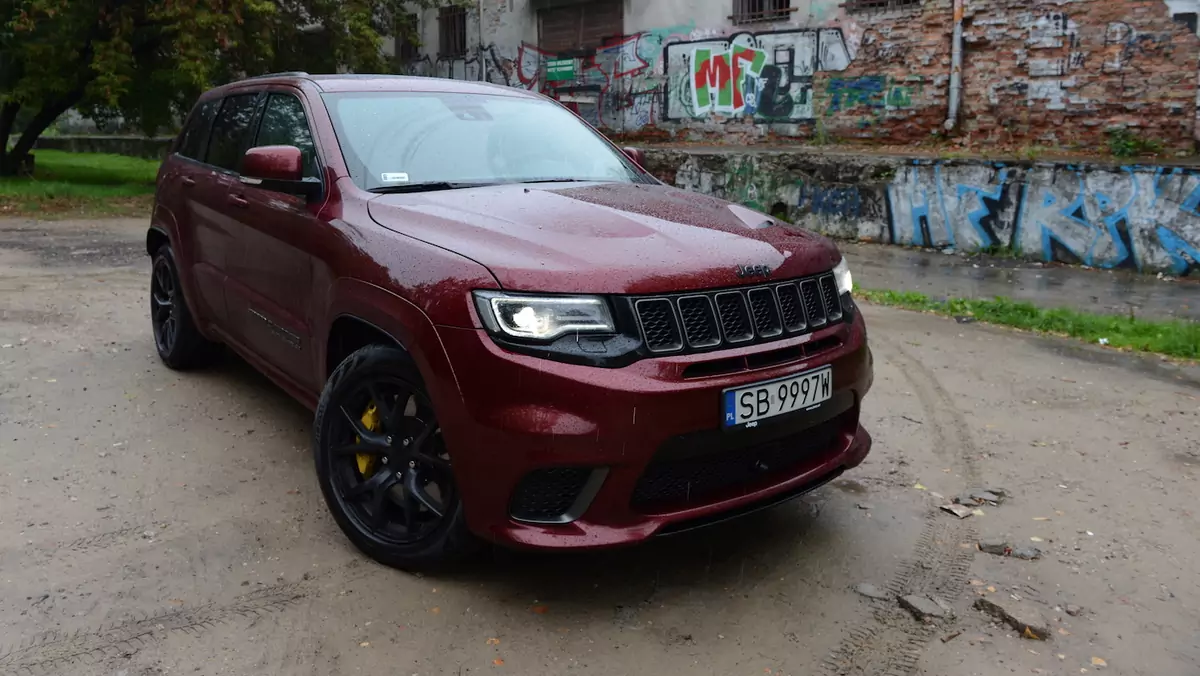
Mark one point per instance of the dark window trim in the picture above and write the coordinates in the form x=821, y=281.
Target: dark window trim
x=743, y=14
x=260, y=94
x=175, y=147
x=863, y=6
x=307, y=122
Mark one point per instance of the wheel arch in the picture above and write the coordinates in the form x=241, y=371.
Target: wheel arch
x=349, y=333
x=156, y=238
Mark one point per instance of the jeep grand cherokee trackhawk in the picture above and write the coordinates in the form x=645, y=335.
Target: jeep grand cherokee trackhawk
x=509, y=331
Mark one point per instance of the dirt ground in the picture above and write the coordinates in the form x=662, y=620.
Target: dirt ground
x=154, y=522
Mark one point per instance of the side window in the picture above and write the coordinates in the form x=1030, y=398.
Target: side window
x=195, y=132
x=285, y=124
x=232, y=131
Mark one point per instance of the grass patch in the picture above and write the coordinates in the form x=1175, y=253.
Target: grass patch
x=1174, y=338
x=68, y=185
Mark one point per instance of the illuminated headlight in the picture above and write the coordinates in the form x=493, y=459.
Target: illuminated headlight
x=841, y=275
x=542, y=317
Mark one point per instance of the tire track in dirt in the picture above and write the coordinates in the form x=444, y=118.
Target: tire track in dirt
x=889, y=641
x=50, y=652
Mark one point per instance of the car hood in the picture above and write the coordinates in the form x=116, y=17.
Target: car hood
x=605, y=237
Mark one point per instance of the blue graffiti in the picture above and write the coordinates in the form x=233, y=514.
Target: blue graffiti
x=985, y=209
x=844, y=202
x=849, y=92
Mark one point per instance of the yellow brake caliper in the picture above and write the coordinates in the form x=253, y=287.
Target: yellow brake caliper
x=370, y=420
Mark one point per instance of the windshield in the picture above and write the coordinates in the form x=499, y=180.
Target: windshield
x=397, y=139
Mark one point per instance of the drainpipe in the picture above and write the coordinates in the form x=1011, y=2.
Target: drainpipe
x=480, y=65
x=956, y=59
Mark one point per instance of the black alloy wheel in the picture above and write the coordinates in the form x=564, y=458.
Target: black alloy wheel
x=383, y=465
x=163, y=313
x=179, y=343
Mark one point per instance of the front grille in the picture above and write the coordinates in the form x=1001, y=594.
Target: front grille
x=659, y=326
x=714, y=319
x=547, y=494
x=680, y=482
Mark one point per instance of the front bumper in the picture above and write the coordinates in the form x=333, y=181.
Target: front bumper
x=517, y=414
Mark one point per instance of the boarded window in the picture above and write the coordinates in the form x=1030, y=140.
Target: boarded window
x=579, y=27
x=755, y=11
x=452, y=31
x=407, y=40
x=879, y=5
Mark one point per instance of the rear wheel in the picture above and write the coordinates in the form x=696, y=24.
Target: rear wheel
x=178, y=341
x=383, y=466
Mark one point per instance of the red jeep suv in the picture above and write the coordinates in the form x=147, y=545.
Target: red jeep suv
x=510, y=332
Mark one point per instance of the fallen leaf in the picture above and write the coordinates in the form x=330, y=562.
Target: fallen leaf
x=540, y=610
x=1036, y=539
x=177, y=602
x=435, y=610
x=493, y=641
x=498, y=662
x=364, y=644
x=976, y=583
x=920, y=487
x=1097, y=662
x=1041, y=518
x=977, y=512
x=1064, y=632
x=1029, y=634
x=991, y=589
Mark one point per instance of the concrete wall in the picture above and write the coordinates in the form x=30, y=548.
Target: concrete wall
x=1139, y=217
x=1050, y=73
x=154, y=148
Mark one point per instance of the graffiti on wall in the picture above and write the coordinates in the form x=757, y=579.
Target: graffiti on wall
x=767, y=76
x=1141, y=218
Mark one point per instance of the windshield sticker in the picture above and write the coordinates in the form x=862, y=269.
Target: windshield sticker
x=396, y=177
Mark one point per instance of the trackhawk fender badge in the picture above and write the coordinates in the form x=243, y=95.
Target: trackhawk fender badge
x=753, y=271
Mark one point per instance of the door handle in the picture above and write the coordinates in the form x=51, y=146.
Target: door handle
x=239, y=201
x=187, y=181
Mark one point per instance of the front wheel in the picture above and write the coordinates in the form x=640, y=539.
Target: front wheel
x=383, y=466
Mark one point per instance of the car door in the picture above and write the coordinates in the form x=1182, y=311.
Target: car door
x=187, y=190
x=271, y=272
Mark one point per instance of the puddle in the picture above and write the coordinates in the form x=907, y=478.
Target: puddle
x=851, y=486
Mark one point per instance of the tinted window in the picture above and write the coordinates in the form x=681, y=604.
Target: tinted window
x=232, y=131
x=416, y=137
x=195, y=132
x=285, y=124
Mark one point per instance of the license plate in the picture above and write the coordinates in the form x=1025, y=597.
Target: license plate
x=806, y=391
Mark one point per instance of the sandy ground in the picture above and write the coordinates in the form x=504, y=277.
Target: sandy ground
x=154, y=522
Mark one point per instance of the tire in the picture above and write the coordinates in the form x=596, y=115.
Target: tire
x=385, y=504
x=179, y=343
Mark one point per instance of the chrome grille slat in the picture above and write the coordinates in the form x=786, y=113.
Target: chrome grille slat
x=707, y=320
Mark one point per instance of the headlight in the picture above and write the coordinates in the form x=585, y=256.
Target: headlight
x=542, y=317
x=841, y=275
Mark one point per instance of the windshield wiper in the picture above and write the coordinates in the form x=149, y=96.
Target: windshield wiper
x=560, y=180
x=428, y=186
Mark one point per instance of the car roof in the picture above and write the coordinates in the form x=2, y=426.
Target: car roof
x=373, y=83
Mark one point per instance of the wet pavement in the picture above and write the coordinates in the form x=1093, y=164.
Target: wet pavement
x=940, y=275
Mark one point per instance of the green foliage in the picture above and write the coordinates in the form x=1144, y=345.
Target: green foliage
x=1124, y=143
x=1172, y=338
x=147, y=60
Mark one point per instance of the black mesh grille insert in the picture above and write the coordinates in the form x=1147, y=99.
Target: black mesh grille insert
x=692, y=481
x=766, y=314
x=699, y=321
x=547, y=494
x=659, y=325
x=735, y=320
x=833, y=304
x=789, y=305
x=814, y=307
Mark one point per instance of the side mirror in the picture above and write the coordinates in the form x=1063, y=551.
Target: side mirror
x=278, y=168
x=636, y=154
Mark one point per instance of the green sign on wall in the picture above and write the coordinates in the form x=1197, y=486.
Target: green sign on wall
x=558, y=70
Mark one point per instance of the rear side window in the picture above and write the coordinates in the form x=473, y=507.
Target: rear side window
x=285, y=124
x=232, y=131
x=195, y=132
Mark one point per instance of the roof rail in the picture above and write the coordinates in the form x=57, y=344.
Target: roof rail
x=288, y=73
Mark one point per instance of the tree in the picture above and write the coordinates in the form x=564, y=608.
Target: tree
x=147, y=60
